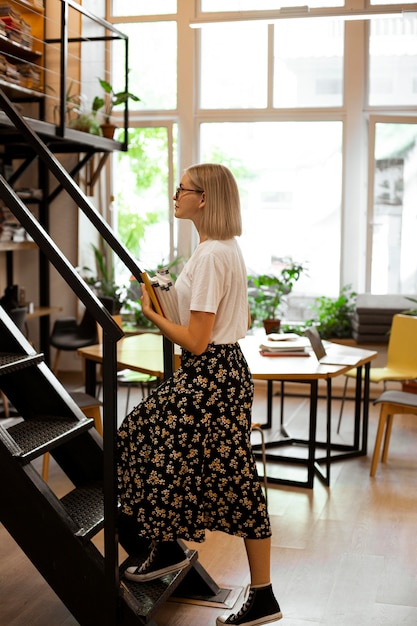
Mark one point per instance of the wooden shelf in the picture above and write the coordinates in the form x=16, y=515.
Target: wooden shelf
x=14, y=246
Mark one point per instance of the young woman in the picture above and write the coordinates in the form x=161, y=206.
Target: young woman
x=184, y=456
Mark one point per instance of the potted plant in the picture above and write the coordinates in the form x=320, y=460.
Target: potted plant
x=110, y=100
x=333, y=316
x=267, y=293
x=76, y=117
x=103, y=280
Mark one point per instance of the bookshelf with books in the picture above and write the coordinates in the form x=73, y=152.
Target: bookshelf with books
x=22, y=31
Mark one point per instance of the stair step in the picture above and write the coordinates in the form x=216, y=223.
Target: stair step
x=85, y=505
x=13, y=362
x=33, y=437
x=146, y=597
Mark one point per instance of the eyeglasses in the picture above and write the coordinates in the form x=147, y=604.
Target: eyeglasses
x=180, y=189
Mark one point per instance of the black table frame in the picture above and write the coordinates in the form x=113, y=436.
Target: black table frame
x=332, y=451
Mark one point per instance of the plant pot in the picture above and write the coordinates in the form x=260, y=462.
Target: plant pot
x=271, y=326
x=108, y=130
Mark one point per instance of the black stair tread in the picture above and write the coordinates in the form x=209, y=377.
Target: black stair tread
x=146, y=597
x=11, y=362
x=85, y=505
x=38, y=435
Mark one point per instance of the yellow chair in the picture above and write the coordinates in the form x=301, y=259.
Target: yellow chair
x=392, y=403
x=401, y=357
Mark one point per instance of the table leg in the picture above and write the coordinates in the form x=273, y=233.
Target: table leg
x=365, y=409
x=310, y=443
x=90, y=375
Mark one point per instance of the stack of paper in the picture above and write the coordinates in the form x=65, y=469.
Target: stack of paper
x=285, y=344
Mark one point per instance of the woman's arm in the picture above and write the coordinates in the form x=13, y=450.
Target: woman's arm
x=195, y=337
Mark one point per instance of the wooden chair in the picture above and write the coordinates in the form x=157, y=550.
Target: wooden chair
x=401, y=356
x=69, y=335
x=392, y=403
x=90, y=406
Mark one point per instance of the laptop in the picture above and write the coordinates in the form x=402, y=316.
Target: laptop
x=321, y=354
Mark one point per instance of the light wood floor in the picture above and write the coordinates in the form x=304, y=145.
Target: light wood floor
x=344, y=555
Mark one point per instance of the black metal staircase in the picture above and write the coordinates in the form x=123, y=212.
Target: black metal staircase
x=57, y=533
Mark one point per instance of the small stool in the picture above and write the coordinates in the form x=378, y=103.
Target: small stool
x=90, y=406
x=392, y=403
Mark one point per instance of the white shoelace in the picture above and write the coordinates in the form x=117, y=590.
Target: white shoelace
x=246, y=603
x=150, y=558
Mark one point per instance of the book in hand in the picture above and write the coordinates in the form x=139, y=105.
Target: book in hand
x=284, y=344
x=162, y=293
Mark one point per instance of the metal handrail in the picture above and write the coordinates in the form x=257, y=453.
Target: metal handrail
x=111, y=331
x=65, y=39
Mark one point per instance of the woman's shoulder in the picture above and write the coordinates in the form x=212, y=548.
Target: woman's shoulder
x=218, y=245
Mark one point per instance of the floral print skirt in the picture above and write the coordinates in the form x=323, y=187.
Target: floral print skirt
x=184, y=456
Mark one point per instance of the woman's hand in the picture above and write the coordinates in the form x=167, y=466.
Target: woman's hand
x=194, y=337
x=146, y=302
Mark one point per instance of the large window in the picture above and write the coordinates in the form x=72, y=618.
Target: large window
x=291, y=197
x=287, y=105
x=142, y=194
x=394, y=208
x=393, y=62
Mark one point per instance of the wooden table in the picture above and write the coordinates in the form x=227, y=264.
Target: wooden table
x=307, y=370
x=141, y=353
x=144, y=353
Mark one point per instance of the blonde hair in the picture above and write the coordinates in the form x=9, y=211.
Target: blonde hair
x=221, y=216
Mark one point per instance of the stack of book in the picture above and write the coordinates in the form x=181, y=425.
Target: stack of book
x=284, y=344
x=162, y=292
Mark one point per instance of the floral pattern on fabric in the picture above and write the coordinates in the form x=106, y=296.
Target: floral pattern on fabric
x=185, y=462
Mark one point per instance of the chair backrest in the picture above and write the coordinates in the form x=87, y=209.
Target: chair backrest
x=18, y=316
x=402, y=346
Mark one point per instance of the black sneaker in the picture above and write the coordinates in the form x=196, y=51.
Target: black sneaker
x=163, y=558
x=260, y=607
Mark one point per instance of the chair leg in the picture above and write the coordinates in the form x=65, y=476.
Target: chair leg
x=55, y=366
x=383, y=416
x=387, y=437
x=258, y=428
x=94, y=412
x=45, y=466
x=343, y=404
x=127, y=398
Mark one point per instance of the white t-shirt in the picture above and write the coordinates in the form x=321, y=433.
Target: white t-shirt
x=214, y=281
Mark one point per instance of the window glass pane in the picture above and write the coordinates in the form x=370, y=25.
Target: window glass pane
x=394, y=260
x=259, y=5
x=143, y=199
x=393, y=61
x=308, y=67
x=154, y=82
x=233, y=73
x=143, y=7
x=291, y=196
